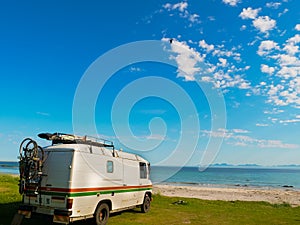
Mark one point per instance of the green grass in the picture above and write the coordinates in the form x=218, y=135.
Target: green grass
x=164, y=212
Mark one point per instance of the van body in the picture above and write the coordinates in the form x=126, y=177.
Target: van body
x=83, y=180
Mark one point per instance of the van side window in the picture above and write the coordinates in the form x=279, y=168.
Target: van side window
x=110, y=167
x=143, y=170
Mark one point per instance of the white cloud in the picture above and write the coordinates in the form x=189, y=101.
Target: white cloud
x=266, y=47
x=206, y=79
x=224, y=81
x=267, y=69
x=243, y=27
x=274, y=5
x=262, y=125
x=285, y=87
x=211, y=18
x=297, y=27
x=281, y=95
x=274, y=111
x=223, y=62
x=135, y=69
x=181, y=6
x=294, y=40
x=231, y=2
x=290, y=121
x=206, y=46
x=186, y=59
x=264, y=24
x=276, y=144
x=242, y=131
x=291, y=49
x=249, y=13
x=222, y=74
x=234, y=137
x=194, y=18
x=43, y=113
x=244, y=85
x=288, y=72
x=285, y=59
x=282, y=13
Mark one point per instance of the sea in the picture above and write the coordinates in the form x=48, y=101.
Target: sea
x=257, y=177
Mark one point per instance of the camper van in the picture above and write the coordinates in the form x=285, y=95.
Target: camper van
x=78, y=178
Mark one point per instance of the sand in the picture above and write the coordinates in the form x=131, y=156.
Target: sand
x=274, y=196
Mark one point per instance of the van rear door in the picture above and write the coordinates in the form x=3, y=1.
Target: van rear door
x=57, y=177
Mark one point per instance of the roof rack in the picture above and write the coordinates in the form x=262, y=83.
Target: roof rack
x=61, y=138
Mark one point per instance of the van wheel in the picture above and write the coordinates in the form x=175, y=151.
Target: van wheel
x=102, y=214
x=145, y=207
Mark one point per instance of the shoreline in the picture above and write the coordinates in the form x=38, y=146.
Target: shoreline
x=273, y=196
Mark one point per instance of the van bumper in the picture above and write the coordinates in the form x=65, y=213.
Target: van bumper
x=62, y=216
x=26, y=210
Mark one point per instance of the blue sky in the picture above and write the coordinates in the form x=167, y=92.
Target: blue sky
x=245, y=53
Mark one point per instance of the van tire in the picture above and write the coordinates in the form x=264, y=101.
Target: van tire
x=145, y=207
x=102, y=214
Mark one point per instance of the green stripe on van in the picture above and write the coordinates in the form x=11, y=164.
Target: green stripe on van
x=81, y=194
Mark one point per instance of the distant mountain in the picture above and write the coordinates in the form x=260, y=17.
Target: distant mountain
x=222, y=165
x=291, y=165
x=249, y=165
x=253, y=165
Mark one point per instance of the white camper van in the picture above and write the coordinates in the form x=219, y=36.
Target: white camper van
x=81, y=177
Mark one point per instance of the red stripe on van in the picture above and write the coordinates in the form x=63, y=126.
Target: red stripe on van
x=73, y=190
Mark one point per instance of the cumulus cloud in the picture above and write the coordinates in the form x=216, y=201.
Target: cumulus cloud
x=206, y=46
x=288, y=72
x=267, y=69
x=243, y=27
x=294, y=40
x=224, y=80
x=266, y=47
x=181, y=7
x=238, y=137
x=240, y=131
x=297, y=27
x=274, y=5
x=249, y=13
x=291, y=49
x=262, y=125
x=231, y=2
x=223, y=62
x=264, y=24
x=186, y=59
x=222, y=74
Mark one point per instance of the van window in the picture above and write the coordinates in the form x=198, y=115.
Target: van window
x=110, y=167
x=143, y=170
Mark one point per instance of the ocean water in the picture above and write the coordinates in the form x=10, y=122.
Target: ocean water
x=229, y=177
x=214, y=176
x=9, y=167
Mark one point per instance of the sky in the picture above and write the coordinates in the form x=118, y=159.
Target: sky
x=225, y=89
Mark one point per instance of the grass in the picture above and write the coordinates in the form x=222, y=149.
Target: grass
x=164, y=212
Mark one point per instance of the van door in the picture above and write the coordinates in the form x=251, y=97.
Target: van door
x=56, y=172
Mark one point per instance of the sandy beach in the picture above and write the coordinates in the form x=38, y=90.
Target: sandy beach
x=274, y=196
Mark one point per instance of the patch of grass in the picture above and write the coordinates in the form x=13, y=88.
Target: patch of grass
x=195, y=211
